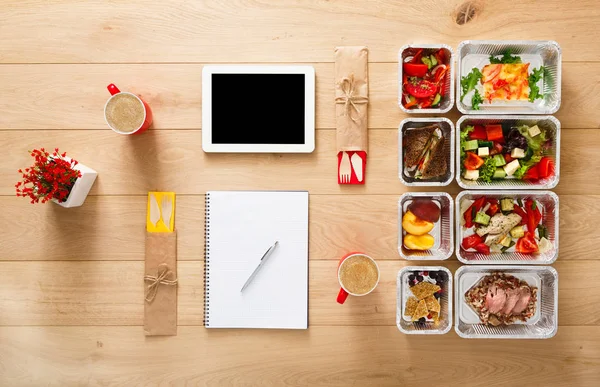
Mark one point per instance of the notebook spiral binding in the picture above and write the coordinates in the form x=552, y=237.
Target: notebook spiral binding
x=206, y=259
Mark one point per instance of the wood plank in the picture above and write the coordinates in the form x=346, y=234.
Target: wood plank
x=174, y=161
x=111, y=228
x=320, y=356
x=111, y=293
x=171, y=31
x=74, y=96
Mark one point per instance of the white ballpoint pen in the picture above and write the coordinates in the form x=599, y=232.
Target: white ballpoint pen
x=262, y=261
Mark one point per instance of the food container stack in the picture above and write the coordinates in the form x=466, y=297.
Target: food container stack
x=505, y=150
x=506, y=153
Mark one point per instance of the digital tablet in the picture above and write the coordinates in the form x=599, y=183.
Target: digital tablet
x=258, y=109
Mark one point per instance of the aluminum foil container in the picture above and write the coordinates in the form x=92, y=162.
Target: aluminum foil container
x=549, y=202
x=547, y=53
x=549, y=123
x=542, y=325
x=448, y=98
x=443, y=230
x=447, y=128
x=405, y=325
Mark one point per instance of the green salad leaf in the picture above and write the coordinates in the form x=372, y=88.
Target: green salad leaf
x=525, y=165
x=464, y=137
x=534, y=143
x=487, y=170
x=534, y=78
x=506, y=58
x=476, y=100
x=469, y=82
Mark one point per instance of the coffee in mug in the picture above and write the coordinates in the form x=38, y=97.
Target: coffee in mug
x=126, y=113
x=358, y=275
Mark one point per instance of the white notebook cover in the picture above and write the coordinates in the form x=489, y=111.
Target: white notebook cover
x=240, y=227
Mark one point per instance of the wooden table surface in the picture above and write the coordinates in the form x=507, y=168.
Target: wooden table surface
x=71, y=294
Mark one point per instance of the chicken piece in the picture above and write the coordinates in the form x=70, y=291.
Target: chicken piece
x=499, y=224
x=495, y=299
x=512, y=296
x=493, y=239
x=524, y=297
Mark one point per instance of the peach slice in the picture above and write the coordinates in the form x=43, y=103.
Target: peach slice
x=421, y=242
x=415, y=226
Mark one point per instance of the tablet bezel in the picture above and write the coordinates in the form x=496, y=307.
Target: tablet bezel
x=309, y=109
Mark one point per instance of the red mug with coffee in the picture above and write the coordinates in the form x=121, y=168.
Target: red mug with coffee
x=126, y=113
x=358, y=275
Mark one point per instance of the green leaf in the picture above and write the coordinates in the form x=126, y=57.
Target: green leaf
x=535, y=76
x=469, y=82
x=487, y=170
x=476, y=100
x=506, y=58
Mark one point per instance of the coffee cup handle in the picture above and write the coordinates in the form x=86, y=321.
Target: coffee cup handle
x=342, y=295
x=112, y=89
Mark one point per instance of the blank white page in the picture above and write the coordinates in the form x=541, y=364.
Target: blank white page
x=241, y=226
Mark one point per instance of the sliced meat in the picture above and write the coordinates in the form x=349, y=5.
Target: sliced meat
x=512, y=296
x=495, y=299
x=523, y=301
x=499, y=224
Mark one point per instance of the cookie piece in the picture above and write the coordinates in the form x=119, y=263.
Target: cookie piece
x=424, y=289
x=411, y=305
x=421, y=311
x=432, y=304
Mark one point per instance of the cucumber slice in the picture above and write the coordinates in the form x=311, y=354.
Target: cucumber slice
x=499, y=174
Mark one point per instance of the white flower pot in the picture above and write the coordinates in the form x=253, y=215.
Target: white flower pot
x=81, y=188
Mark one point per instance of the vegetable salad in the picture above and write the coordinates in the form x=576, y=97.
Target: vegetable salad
x=424, y=77
x=498, y=152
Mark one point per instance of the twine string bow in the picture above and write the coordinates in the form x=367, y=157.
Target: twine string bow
x=162, y=278
x=349, y=100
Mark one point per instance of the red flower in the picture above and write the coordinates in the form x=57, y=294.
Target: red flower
x=51, y=177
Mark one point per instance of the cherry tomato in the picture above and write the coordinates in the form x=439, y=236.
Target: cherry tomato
x=478, y=133
x=421, y=88
x=471, y=241
x=527, y=244
x=482, y=248
x=414, y=69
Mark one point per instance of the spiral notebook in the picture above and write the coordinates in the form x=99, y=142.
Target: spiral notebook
x=240, y=227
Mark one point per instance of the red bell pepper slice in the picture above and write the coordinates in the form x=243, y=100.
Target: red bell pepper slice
x=519, y=211
x=493, y=209
x=415, y=69
x=527, y=244
x=532, y=173
x=472, y=161
x=482, y=248
x=534, y=215
x=478, y=133
x=494, y=133
x=471, y=241
x=417, y=57
x=473, y=209
x=507, y=158
x=545, y=167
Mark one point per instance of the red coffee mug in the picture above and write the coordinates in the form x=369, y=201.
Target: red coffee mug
x=114, y=90
x=343, y=293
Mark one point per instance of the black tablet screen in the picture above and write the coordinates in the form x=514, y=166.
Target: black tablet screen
x=258, y=109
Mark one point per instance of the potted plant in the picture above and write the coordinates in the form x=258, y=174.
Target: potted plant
x=55, y=177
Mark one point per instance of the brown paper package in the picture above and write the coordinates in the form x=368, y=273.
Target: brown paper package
x=160, y=314
x=351, y=97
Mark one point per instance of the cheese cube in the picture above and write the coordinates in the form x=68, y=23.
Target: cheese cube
x=534, y=131
x=511, y=167
x=471, y=175
x=483, y=152
x=517, y=153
